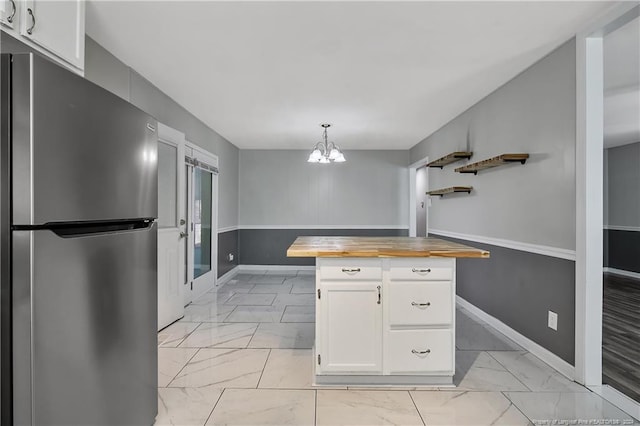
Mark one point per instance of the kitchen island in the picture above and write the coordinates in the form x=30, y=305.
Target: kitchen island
x=385, y=309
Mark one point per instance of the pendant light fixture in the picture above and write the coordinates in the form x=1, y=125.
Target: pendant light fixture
x=325, y=152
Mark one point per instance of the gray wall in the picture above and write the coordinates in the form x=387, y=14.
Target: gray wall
x=269, y=246
x=533, y=203
x=533, y=113
x=227, y=244
x=622, y=207
x=279, y=187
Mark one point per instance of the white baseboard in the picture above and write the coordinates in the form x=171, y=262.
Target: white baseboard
x=622, y=272
x=618, y=399
x=275, y=268
x=553, y=360
x=229, y=275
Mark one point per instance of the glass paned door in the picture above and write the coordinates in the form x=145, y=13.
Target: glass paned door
x=202, y=221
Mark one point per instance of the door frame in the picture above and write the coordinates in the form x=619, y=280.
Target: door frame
x=412, y=196
x=208, y=281
x=175, y=138
x=589, y=190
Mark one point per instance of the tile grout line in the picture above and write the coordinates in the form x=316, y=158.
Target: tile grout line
x=517, y=408
x=263, y=368
x=315, y=408
x=214, y=406
x=417, y=409
x=509, y=371
x=183, y=367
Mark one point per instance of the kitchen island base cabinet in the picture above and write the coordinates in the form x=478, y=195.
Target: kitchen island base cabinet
x=350, y=343
x=385, y=321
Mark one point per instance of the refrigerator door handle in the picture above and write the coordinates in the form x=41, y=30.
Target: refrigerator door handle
x=75, y=230
x=81, y=229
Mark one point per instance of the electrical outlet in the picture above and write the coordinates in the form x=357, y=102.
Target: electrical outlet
x=230, y=257
x=553, y=321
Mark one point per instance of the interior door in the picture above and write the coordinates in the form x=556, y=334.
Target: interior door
x=171, y=226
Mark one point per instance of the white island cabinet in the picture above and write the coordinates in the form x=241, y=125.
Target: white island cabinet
x=383, y=317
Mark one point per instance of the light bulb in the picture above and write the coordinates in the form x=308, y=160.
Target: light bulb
x=340, y=158
x=333, y=154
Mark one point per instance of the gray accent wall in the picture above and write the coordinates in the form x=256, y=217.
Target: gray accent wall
x=269, y=246
x=279, y=187
x=228, y=243
x=533, y=113
x=622, y=207
x=519, y=288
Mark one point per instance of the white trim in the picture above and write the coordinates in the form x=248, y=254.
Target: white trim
x=622, y=272
x=589, y=188
x=551, y=359
x=227, y=229
x=618, y=399
x=515, y=245
x=275, y=268
x=228, y=276
x=622, y=228
x=322, y=227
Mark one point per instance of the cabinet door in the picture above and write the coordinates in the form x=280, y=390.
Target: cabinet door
x=350, y=327
x=57, y=26
x=8, y=12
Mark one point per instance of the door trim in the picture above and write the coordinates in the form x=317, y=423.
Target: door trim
x=589, y=189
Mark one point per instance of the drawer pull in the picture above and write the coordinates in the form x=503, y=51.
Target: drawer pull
x=421, y=271
x=420, y=304
x=413, y=351
x=350, y=270
x=379, y=295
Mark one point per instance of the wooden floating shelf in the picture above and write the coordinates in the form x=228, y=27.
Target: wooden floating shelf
x=500, y=160
x=451, y=190
x=450, y=158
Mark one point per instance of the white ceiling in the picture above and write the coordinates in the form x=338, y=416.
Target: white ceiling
x=385, y=74
x=622, y=85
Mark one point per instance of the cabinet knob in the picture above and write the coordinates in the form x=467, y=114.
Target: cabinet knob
x=350, y=270
x=420, y=304
x=33, y=21
x=13, y=12
x=413, y=351
x=421, y=271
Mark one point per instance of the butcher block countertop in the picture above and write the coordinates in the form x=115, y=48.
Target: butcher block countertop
x=380, y=247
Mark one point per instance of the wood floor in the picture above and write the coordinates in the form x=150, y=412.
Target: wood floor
x=621, y=334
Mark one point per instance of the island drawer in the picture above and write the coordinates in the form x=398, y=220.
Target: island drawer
x=342, y=269
x=420, y=303
x=419, y=351
x=431, y=272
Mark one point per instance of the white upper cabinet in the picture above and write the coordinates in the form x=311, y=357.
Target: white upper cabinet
x=8, y=12
x=57, y=26
x=54, y=28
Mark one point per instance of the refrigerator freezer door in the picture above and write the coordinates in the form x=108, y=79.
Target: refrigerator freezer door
x=80, y=153
x=85, y=316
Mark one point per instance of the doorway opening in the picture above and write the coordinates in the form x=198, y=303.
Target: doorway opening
x=418, y=199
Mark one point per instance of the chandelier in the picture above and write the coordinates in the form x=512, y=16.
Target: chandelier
x=326, y=152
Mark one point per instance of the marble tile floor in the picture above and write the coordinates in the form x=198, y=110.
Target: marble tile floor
x=242, y=356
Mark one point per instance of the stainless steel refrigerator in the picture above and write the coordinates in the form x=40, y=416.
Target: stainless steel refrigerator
x=78, y=296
